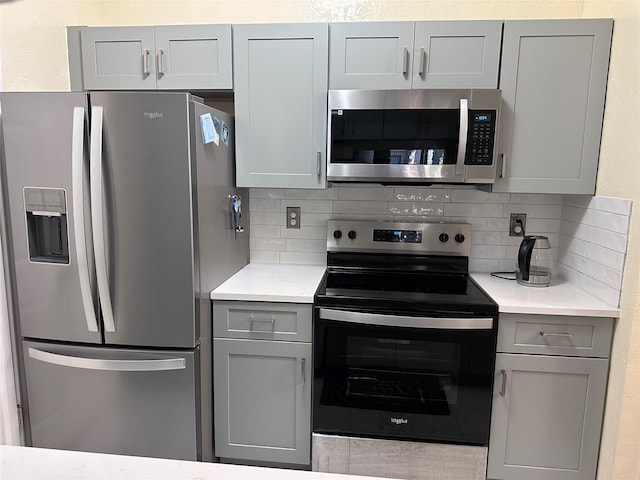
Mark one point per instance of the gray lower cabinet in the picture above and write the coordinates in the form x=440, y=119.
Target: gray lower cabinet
x=402, y=55
x=262, y=382
x=548, y=403
x=262, y=398
x=280, y=94
x=166, y=57
x=553, y=80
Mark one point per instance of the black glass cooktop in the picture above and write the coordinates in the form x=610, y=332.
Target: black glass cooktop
x=403, y=285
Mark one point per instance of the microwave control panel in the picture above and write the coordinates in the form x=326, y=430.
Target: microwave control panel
x=480, y=137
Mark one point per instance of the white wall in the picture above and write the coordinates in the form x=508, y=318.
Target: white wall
x=32, y=39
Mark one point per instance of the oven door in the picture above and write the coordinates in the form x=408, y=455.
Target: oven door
x=409, y=378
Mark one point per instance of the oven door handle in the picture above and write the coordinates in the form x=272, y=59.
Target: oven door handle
x=446, y=323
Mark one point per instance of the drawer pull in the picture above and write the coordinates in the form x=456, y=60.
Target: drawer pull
x=272, y=321
x=550, y=334
x=504, y=383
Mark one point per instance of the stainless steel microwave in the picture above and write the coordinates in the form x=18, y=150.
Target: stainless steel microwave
x=412, y=136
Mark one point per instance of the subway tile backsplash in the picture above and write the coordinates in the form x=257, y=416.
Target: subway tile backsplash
x=593, y=244
x=588, y=234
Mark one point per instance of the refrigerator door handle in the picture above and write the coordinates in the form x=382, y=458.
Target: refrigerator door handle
x=97, y=220
x=108, y=364
x=77, y=159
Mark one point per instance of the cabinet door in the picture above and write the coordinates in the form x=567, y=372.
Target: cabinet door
x=370, y=55
x=117, y=58
x=553, y=80
x=262, y=400
x=194, y=57
x=280, y=95
x=457, y=54
x=546, y=418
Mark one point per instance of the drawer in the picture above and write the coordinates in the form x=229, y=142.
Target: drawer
x=555, y=335
x=262, y=320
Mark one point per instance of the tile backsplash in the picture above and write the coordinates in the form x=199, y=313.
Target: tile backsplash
x=492, y=248
x=593, y=244
x=588, y=234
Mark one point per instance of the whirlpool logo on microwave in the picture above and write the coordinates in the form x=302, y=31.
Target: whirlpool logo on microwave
x=399, y=421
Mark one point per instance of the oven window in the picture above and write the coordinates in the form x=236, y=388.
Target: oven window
x=388, y=382
x=395, y=137
x=393, y=374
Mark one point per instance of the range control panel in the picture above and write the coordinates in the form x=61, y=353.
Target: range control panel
x=436, y=238
x=481, y=137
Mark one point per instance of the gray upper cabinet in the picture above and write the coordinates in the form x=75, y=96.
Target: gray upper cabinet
x=402, y=55
x=194, y=57
x=116, y=58
x=370, y=55
x=280, y=93
x=460, y=54
x=184, y=57
x=553, y=80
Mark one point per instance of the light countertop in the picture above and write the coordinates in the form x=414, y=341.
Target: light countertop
x=559, y=298
x=261, y=282
x=22, y=463
x=298, y=283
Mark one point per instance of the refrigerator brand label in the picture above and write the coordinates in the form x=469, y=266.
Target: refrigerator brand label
x=152, y=115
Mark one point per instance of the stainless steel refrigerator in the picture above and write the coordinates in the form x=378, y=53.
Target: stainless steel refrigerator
x=121, y=215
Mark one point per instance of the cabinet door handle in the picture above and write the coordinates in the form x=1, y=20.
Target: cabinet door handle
x=405, y=60
x=503, y=173
x=160, y=62
x=319, y=164
x=145, y=62
x=503, y=387
x=423, y=61
x=303, y=373
x=551, y=334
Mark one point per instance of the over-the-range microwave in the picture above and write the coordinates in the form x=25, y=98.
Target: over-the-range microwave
x=413, y=136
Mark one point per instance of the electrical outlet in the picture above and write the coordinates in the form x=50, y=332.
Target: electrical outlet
x=293, y=217
x=517, y=224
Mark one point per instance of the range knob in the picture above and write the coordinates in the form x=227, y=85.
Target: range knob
x=459, y=238
x=352, y=234
x=444, y=238
x=337, y=234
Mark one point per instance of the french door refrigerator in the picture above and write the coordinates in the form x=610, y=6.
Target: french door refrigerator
x=120, y=216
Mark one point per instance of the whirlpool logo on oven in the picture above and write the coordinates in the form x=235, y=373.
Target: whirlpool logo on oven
x=399, y=421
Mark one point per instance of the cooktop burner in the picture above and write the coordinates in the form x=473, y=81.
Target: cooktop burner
x=410, y=268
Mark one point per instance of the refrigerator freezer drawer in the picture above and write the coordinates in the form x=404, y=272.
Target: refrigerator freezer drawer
x=120, y=401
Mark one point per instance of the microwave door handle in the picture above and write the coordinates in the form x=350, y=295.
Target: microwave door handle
x=97, y=220
x=77, y=161
x=462, y=138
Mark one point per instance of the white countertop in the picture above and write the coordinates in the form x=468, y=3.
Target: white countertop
x=298, y=283
x=22, y=463
x=261, y=282
x=559, y=298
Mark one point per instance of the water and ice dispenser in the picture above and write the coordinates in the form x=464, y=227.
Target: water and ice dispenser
x=47, y=231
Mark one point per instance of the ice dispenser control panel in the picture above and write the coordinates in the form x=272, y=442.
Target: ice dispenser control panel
x=47, y=231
